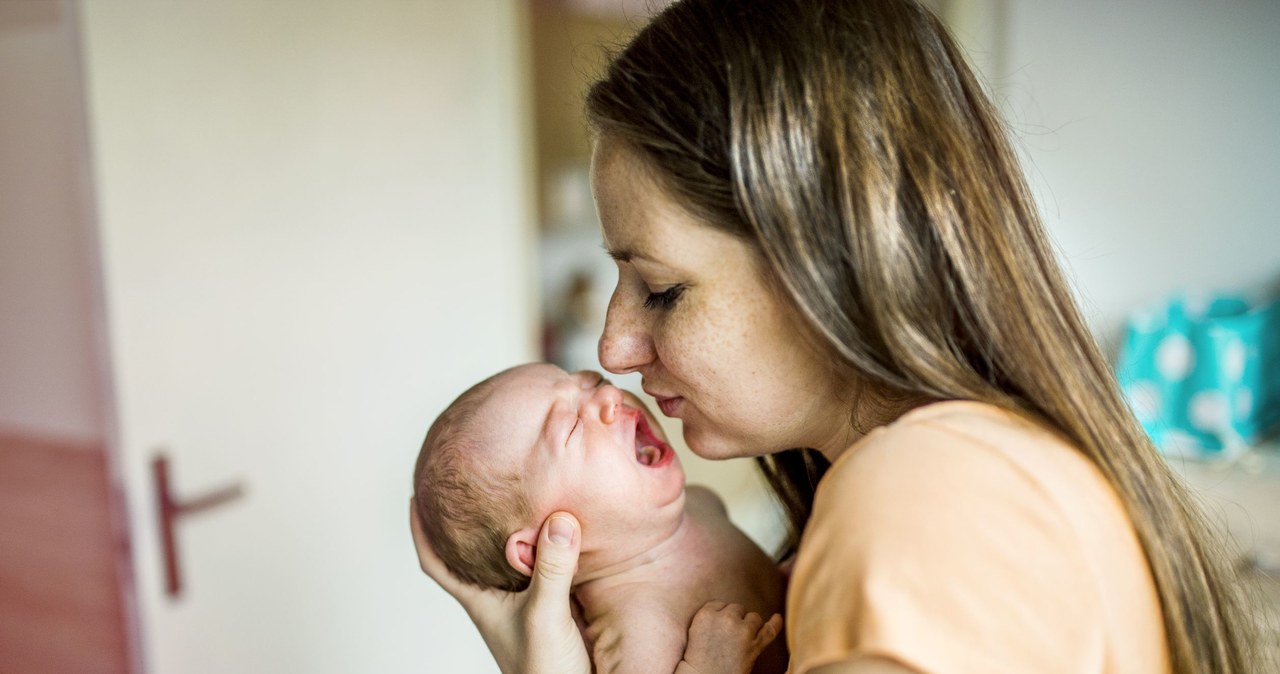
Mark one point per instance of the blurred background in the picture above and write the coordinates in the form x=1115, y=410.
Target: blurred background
x=249, y=250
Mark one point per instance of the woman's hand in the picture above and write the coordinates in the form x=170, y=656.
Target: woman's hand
x=529, y=632
x=726, y=638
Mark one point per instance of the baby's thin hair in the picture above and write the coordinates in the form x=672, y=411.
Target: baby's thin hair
x=466, y=512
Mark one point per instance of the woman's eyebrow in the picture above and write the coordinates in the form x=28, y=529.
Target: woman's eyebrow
x=626, y=255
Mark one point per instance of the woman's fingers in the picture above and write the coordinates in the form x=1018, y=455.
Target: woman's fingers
x=434, y=567
x=555, y=644
x=427, y=558
x=555, y=562
x=531, y=632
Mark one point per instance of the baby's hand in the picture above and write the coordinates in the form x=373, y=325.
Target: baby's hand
x=726, y=638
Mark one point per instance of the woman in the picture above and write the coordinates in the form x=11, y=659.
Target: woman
x=828, y=259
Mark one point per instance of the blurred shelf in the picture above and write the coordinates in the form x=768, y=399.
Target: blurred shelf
x=1241, y=495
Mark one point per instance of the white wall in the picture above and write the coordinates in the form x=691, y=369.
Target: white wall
x=49, y=379
x=316, y=232
x=1150, y=133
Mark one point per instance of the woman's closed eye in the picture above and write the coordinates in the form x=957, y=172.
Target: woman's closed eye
x=664, y=299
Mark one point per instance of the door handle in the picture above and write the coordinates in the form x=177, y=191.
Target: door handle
x=170, y=509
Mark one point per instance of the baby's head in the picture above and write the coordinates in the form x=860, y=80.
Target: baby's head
x=530, y=441
x=468, y=506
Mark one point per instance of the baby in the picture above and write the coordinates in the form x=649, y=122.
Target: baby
x=534, y=440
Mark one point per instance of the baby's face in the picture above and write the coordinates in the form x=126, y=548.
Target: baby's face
x=586, y=447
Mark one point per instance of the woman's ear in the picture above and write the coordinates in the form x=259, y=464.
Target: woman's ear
x=521, y=548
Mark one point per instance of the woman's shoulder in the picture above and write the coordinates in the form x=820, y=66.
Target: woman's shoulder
x=976, y=472
x=964, y=462
x=967, y=422
x=948, y=440
x=959, y=505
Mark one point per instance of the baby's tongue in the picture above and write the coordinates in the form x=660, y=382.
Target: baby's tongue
x=648, y=447
x=647, y=454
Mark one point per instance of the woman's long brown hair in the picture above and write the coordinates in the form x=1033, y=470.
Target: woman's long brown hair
x=850, y=143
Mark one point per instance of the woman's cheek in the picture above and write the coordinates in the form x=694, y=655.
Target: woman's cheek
x=691, y=346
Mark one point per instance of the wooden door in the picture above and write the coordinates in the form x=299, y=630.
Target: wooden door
x=63, y=596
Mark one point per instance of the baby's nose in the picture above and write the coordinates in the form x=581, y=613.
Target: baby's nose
x=607, y=398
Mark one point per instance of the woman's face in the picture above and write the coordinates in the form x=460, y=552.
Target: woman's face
x=693, y=314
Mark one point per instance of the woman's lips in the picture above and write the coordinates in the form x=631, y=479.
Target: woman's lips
x=670, y=406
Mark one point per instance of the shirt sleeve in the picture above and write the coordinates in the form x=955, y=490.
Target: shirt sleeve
x=929, y=548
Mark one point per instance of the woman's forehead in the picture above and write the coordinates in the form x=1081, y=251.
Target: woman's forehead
x=638, y=217
x=619, y=169
x=614, y=154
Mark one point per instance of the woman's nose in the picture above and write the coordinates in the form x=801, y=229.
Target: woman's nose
x=625, y=345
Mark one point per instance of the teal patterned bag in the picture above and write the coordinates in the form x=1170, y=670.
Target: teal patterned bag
x=1204, y=379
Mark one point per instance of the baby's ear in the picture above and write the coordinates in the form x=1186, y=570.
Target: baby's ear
x=521, y=548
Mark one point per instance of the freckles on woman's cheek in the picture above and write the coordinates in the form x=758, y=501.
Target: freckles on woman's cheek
x=703, y=330
x=734, y=321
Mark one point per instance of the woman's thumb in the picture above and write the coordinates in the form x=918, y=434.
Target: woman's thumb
x=557, y=556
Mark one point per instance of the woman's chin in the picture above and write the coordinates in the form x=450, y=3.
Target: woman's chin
x=715, y=447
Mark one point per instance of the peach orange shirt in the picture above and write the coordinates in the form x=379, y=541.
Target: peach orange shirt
x=962, y=539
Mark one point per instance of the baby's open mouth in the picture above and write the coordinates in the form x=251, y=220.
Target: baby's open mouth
x=651, y=451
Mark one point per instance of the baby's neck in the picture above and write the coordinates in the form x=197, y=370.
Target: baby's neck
x=592, y=585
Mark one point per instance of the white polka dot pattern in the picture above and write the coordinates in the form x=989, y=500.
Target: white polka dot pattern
x=1203, y=376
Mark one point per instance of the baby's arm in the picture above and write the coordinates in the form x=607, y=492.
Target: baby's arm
x=726, y=638
x=649, y=642
x=723, y=639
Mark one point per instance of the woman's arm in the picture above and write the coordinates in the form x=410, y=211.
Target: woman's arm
x=529, y=632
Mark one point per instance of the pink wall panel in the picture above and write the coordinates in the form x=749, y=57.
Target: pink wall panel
x=61, y=608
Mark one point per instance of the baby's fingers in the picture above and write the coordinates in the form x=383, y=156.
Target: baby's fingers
x=728, y=638
x=767, y=633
